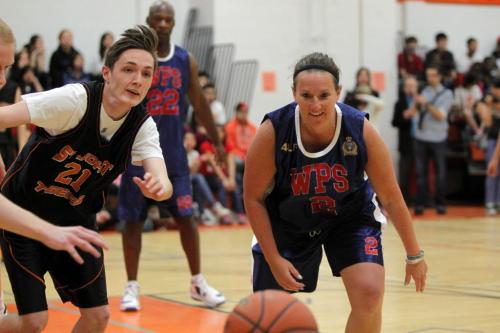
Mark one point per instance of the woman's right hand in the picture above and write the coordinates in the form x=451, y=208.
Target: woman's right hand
x=286, y=274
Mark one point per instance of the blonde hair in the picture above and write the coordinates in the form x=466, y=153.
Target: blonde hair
x=6, y=35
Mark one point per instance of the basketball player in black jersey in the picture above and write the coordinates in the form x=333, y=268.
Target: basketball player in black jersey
x=86, y=135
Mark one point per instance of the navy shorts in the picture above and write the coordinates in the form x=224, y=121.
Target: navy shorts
x=345, y=245
x=27, y=261
x=133, y=205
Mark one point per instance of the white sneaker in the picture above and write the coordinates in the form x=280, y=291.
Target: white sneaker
x=202, y=292
x=130, y=300
x=220, y=211
x=207, y=218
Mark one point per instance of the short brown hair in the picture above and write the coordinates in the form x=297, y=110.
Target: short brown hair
x=6, y=35
x=140, y=37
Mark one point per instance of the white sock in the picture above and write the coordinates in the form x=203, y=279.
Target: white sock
x=133, y=283
x=197, y=278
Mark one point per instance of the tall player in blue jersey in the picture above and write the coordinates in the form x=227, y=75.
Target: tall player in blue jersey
x=175, y=77
x=306, y=189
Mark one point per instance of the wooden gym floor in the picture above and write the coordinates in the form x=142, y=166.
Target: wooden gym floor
x=463, y=288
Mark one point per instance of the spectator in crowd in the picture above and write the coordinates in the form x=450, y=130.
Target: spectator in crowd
x=363, y=79
x=404, y=112
x=492, y=182
x=75, y=73
x=409, y=62
x=105, y=43
x=36, y=52
x=443, y=59
x=431, y=133
x=220, y=177
x=465, y=98
x=21, y=60
x=62, y=58
x=471, y=56
x=28, y=81
x=496, y=52
x=218, y=109
x=240, y=132
x=204, y=78
x=202, y=194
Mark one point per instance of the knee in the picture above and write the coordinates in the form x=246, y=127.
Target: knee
x=369, y=299
x=185, y=223
x=33, y=323
x=98, y=320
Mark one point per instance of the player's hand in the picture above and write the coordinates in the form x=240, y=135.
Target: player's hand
x=286, y=274
x=419, y=274
x=69, y=238
x=492, y=169
x=2, y=169
x=150, y=186
x=220, y=154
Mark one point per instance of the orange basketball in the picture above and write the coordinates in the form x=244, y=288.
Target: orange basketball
x=271, y=311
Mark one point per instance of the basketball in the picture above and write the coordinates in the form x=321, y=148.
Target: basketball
x=271, y=311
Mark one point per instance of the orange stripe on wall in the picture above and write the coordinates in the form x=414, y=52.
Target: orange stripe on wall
x=459, y=2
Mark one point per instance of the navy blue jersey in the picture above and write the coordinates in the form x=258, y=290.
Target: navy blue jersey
x=167, y=105
x=62, y=178
x=313, y=191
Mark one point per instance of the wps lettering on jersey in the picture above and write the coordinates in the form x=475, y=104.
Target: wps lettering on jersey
x=323, y=173
x=163, y=97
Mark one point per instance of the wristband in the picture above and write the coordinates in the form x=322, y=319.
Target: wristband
x=412, y=260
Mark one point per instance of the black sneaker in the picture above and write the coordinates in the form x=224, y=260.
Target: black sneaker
x=419, y=210
x=441, y=210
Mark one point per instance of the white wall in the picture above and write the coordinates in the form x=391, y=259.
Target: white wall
x=277, y=33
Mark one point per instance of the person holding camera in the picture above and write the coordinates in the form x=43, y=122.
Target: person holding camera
x=431, y=132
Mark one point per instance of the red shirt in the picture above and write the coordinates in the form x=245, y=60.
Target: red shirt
x=240, y=137
x=412, y=63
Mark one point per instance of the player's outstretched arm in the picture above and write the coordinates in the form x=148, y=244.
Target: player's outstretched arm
x=381, y=175
x=260, y=169
x=15, y=219
x=156, y=185
x=14, y=115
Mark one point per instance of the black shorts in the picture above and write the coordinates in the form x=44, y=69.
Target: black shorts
x=28, y=260
x=344, y=245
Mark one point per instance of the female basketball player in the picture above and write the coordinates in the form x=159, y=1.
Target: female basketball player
x=305, y=189
x=85, y=137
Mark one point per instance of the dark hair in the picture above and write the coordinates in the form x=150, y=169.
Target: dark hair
x=317, y=61
x=470, y=78
x=204, y=73
x=434, y=66
x=140, y=37
x=62, y=32
x=208, y=86
x=102, y=48
x=410, y=39
x=496, y=82
x=441, y=35
x=241, y=106
x=31, y=44
x=471, y=40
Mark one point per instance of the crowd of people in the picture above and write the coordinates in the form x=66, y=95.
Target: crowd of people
x=446, y=103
